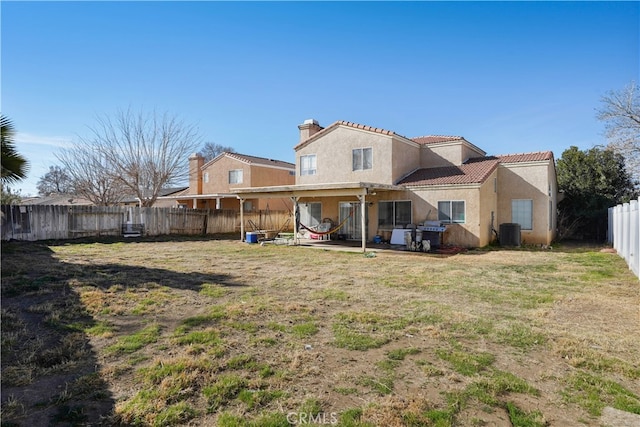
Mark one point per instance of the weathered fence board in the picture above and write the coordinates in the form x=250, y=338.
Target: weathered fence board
x=42, y=222
x=624, y=233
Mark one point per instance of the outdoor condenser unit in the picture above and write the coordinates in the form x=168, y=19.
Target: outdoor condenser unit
x=510, y=234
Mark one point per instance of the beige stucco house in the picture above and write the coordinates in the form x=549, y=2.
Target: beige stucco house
x=213, y=184
x=370, y=181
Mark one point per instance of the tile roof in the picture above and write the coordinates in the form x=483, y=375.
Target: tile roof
x=348, y=124
x=473, y=171
x=468, y=173
x=526, y=157
x=263, y=161
x=433, y=139
x=365, y=127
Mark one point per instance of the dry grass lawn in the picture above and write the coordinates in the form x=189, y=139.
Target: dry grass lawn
x=215, y=332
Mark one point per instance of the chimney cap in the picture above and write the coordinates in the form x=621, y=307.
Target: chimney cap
x=310, y=122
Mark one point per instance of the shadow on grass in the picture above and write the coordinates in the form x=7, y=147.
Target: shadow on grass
x=51, y=374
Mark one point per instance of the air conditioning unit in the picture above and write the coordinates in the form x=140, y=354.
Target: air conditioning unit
x=510, y=234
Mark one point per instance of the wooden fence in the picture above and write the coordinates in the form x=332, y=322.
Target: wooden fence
x=624, y=233
x=42, y=222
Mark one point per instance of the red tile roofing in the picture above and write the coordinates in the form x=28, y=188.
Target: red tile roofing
x=473, y=171
x=348, y=124
x=467, y=173
x=365, y=127
x=433, y=139
x=526, y=157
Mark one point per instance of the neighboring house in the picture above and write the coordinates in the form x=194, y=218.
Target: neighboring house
x=166, y=198
x=213, y=185
x=375, y=180
x=56, y=199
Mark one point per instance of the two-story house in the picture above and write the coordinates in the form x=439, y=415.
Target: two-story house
x=213, y=184
x=371, y=180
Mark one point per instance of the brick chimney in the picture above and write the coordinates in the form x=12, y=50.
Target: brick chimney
x=196, y=161
x=309, y=128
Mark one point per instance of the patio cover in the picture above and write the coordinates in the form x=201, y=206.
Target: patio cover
x=358, y=189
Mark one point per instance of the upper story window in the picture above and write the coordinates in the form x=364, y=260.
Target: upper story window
x=235, y=176
x=451, y=211
x=362, y=159
x=308, y=165
x=522, y=213
x=205, y=177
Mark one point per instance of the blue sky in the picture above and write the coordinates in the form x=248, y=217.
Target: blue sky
x=510, y=77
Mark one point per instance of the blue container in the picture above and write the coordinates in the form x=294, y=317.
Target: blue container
x=252, y=237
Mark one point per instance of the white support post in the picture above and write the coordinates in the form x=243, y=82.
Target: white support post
x=296, y=214
x=241, y=219
x=363, y=224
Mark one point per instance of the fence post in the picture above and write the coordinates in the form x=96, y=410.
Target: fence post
x=634, y=236
x=626, y=221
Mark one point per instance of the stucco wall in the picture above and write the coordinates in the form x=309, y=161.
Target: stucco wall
x=252, y=176
x=218, y=172
x=195, y=174
x=466, y=234
x=529, y=181
x=406, y=159
x=447, y=154
x=488, y=205
x=334, y=157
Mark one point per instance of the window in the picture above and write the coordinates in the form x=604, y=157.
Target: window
x=394, y=214
x=205, y=177
x=362, y=159
x=522, y=213
x=451, y=211
x=308, y=165
x=310, y=213
x=235, y=176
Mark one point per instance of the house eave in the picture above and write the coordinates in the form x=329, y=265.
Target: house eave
x=474, y=185
x=317, y=190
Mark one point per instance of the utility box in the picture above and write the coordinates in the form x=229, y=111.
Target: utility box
x=510, y=234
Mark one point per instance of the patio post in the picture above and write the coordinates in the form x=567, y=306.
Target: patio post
x=363, y=216
x=241, y=219
x=296, y=218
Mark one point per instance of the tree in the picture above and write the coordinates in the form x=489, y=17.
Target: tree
x=211, y=150
x=132, y=153
x=91, y=178
x=57, y=180
x=14, y=165
x=9, y=196
x=621, y=113
x=592, y=181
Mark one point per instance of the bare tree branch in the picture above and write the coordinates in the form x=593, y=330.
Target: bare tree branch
x=140, y=153
x=621, y=114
